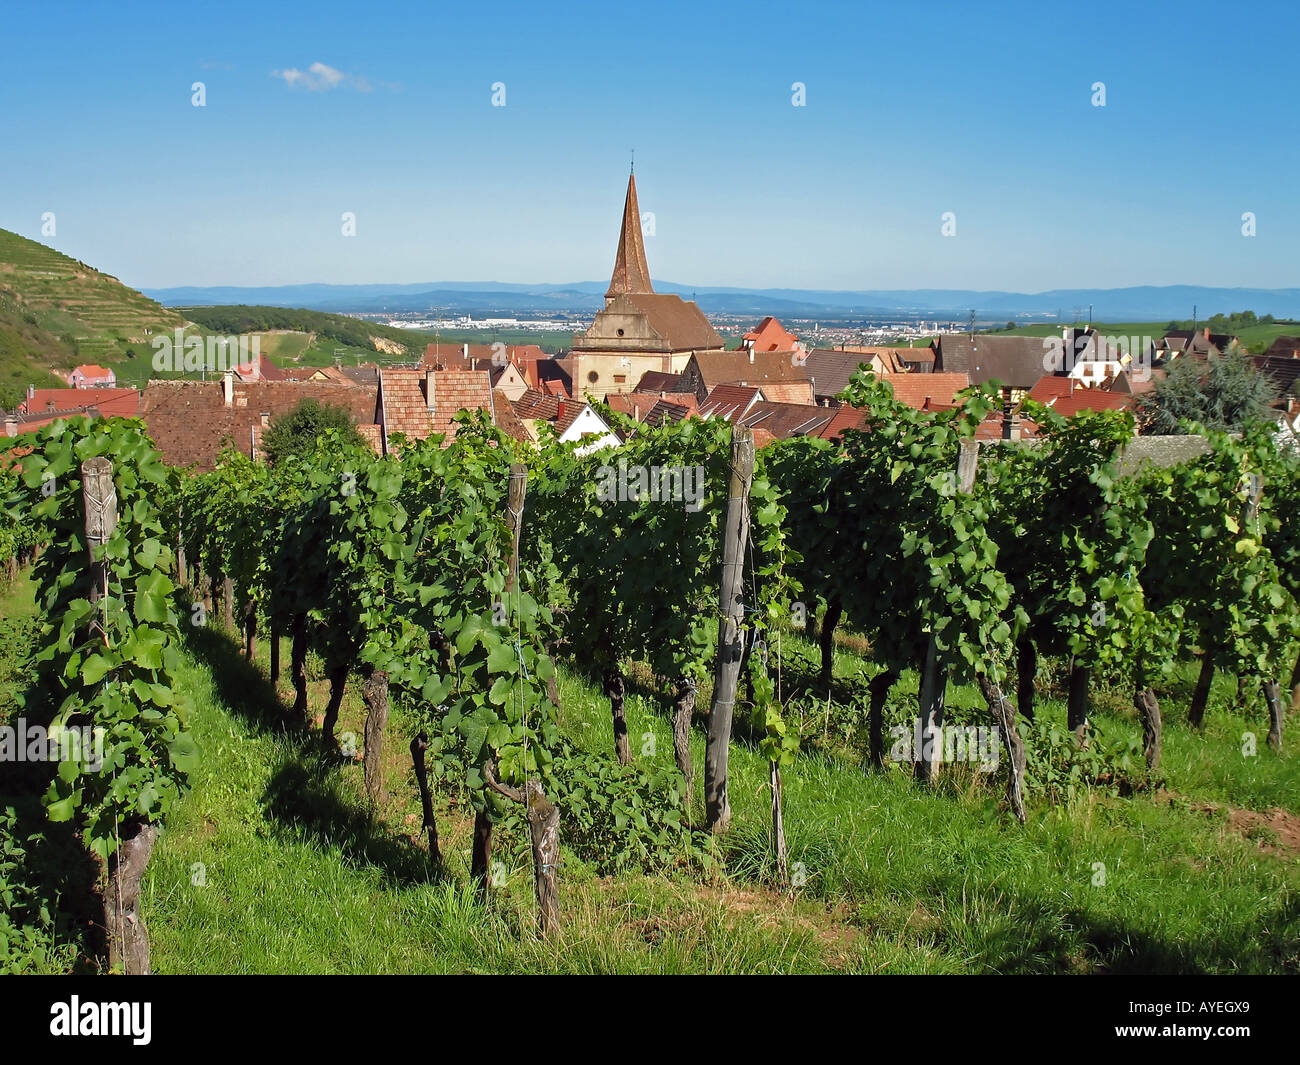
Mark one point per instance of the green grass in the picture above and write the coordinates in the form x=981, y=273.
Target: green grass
x=275, y=863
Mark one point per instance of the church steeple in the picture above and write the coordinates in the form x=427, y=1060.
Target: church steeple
x=631, y=272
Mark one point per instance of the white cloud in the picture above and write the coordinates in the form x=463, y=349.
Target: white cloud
x=320, y=77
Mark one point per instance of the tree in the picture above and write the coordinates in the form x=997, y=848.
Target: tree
x=296, y=433
x=1222, y=393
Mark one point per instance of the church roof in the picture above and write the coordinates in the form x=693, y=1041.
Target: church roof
x=631, y=271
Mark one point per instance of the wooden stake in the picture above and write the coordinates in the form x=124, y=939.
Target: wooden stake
x=375, y=694
x=128, y=940
x=933, y=685
x=99, y=496
x=683, y=712
x=1077, y=708
x=1148, y=708
x=934, y=677
x=1273, y=697
x=1201, y=693
x=418, y=746
x=778, y=826
x=1004, y=715
x=730, y=645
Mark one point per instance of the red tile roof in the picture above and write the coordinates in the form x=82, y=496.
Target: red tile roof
x=452, y=391
x=190, y=422
x=755, y=368
x=658, y=381
x=664, y=411
x=916, y=389
x=729, y=402
x=403, y=408
x=1067, y=396
x=93, y=370
x=266, y=371
x=784, y=420
x=771, y=335
x=559, y=411
x=120, y=402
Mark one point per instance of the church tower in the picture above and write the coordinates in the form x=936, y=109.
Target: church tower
x=640, y=329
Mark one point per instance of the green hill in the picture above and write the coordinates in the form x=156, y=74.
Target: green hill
x=56, y=312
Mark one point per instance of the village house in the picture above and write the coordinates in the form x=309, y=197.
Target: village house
x=420, y=403
x=505, y=375
x=1068, y=396
x=770, y=335
x=571, y=419
x=781, y=375
x=91, y=376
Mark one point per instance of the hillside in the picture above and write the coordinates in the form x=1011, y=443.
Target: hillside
x=310, y=337
x=56, y=312
x=483, y=298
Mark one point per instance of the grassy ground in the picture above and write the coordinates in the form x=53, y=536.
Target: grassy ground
x=275, y=863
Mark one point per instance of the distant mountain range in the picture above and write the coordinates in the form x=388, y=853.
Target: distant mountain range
x=482, y=298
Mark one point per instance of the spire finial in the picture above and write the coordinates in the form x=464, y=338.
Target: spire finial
x=633, y=169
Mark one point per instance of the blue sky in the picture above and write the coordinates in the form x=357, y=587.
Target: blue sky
x=911, y=111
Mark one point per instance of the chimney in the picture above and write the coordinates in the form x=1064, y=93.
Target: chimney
x=430, y=387
x=31, y=392
x=1010, y=420
x=11, y=425
x=464, y=351
x=228, y=388
x=559, y=411
x=749, y=346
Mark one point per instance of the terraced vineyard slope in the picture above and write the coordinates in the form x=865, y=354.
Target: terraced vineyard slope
x=57, y=312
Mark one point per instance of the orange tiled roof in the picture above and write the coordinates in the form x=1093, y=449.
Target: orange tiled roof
x=452, y=391
x=771, y=335
x=919, y=389
x=403, y=405
x=120, y=402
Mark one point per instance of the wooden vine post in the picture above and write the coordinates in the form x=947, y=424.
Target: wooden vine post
x=128, y=939
x=934, y=677
x=543, y=816
x=730, y=642
x=1272, y=690
x=375, y=693
x=275, y=653
x=1004, y=716
x=418, y=746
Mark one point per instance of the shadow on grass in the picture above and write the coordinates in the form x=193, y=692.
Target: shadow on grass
x=305, y=797
x=241, y=685
x=1046, y=941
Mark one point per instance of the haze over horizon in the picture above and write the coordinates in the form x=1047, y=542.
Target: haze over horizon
x=906, y=117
